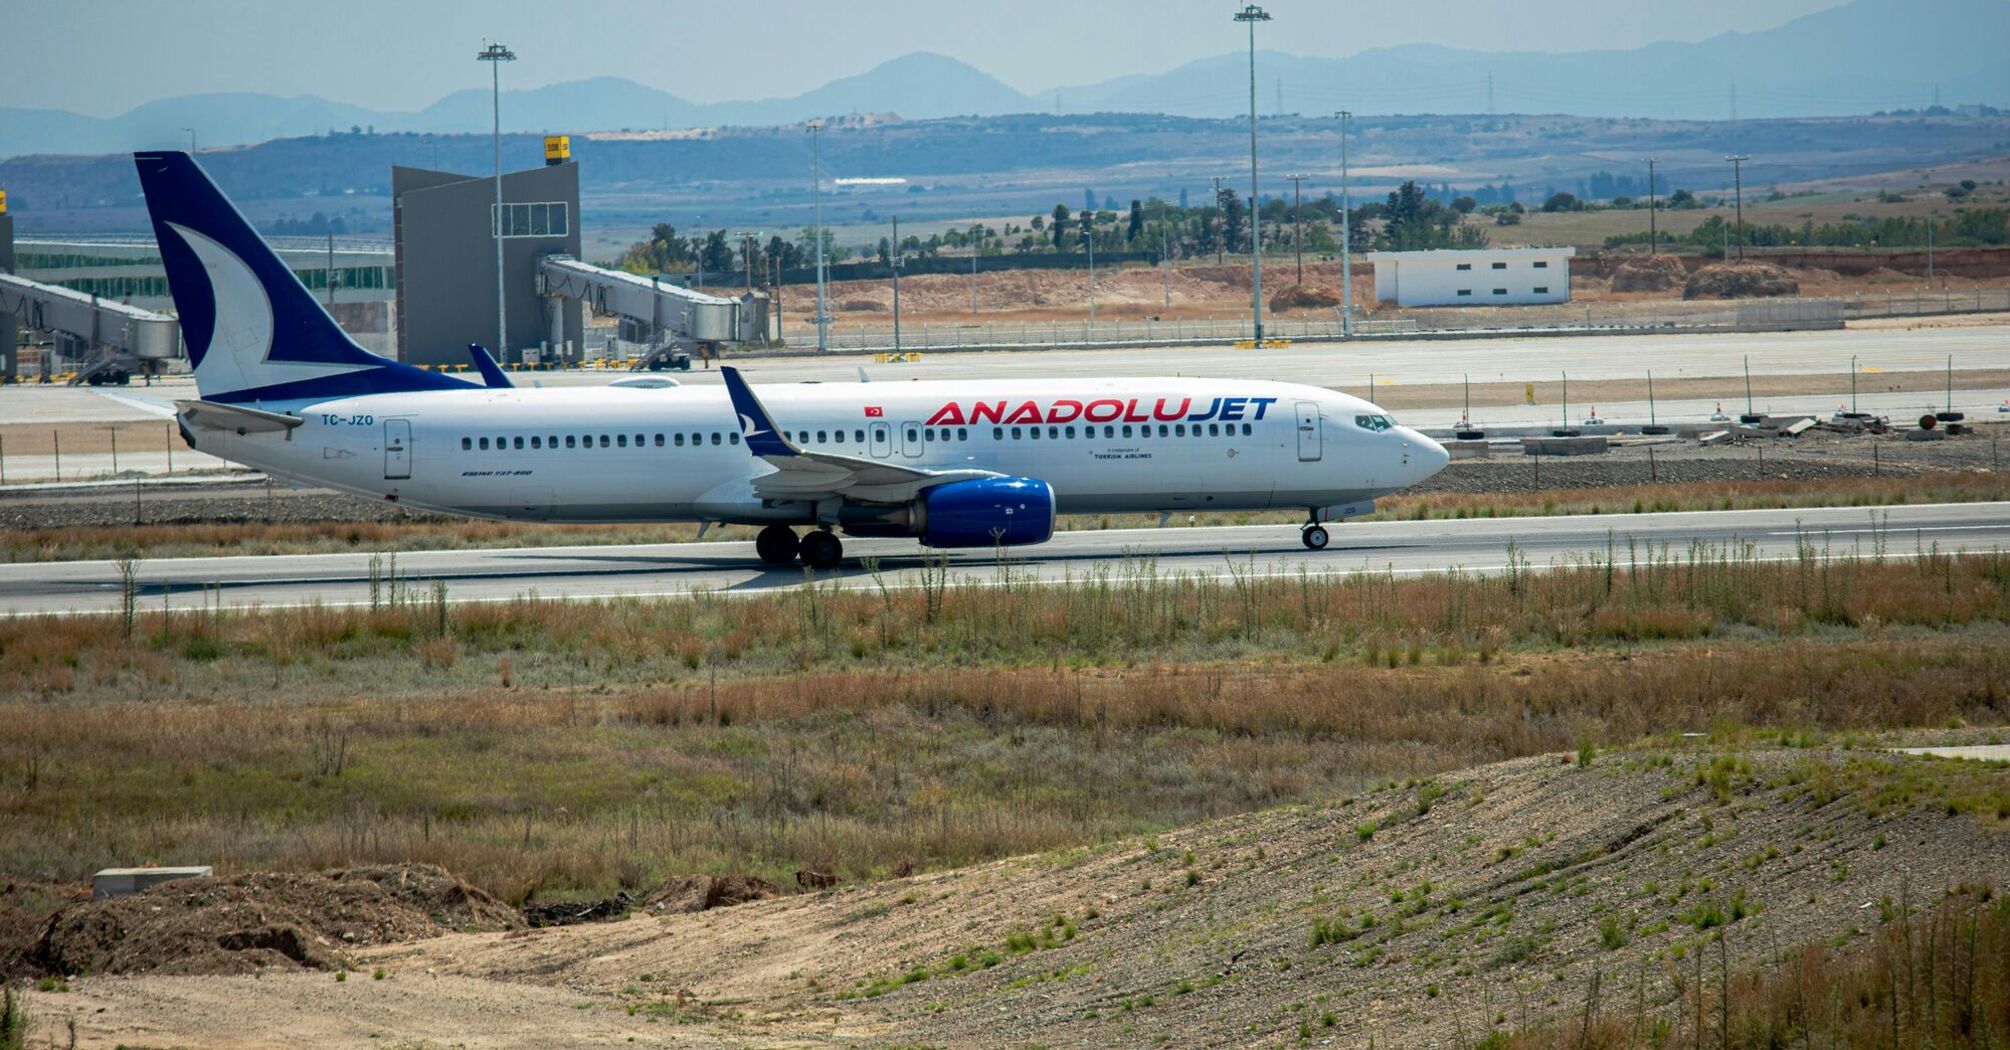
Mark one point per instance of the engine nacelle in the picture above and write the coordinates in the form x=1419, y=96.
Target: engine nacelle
x=987, y=512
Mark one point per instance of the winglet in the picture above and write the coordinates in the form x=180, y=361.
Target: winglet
x=493, y=376
x=762, y=437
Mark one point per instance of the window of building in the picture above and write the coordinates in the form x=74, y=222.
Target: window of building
x=1465, y=291
x=1465, y=266
x=1542, y=264
x=1500, y=291
x=467, y=443
x=546, y=219
x=1500, y=266
x=1542, y=289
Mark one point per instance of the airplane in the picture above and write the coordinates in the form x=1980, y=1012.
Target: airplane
x=952, y=464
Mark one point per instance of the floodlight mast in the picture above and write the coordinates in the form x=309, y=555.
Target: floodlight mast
x=495, y=55
x=817, y=189
x=1253, y=14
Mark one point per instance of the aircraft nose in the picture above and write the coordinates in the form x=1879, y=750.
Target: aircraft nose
x=1426, y=457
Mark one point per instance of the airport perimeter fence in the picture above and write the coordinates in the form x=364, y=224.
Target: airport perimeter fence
x=1784, y=314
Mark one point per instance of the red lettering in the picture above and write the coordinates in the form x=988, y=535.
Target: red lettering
x=1027, y=412
x=1131, y=413
x=993, y=411
x=1074, y=412
x=950, y=413
x=1177, y=413
x=1115, y=408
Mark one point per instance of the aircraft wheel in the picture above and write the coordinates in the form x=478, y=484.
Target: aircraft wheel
x=1314, y=537
x=822, y=550
x=777, y=545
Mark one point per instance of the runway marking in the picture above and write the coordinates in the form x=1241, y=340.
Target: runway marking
x=1895, y=529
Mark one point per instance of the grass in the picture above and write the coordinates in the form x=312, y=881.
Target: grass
x=549, y=748
x=104, y=542
x=1935, y=976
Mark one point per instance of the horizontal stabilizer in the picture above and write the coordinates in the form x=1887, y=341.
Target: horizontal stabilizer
x=211, y=415
x=493, y=376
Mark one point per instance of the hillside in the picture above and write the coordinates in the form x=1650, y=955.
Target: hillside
x=1419, y=914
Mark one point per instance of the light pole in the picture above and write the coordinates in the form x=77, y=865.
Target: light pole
x=817, y=189
x=1297, y=228
x=893, y=261
x=1220, y=206
x=1253, y=14
x=1346, y=236
x=1089, y=238
x=1737, y=163
x=495, y=55
x=191, y=139
x=1653, y=234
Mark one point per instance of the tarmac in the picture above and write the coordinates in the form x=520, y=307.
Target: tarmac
x=1399, y=547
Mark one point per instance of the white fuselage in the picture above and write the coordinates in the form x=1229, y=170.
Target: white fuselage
x=619, y=453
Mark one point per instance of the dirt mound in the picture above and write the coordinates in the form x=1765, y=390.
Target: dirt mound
x=1304, y=297
x=263, y=920
x=704, y=892
x=1653, y=273
x=1740, y=281
x=864, y=306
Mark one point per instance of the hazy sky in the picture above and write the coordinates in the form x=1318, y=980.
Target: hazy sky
x=105, y=56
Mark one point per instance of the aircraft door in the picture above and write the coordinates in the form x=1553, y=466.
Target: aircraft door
x=1310, y=440
x=882, y=440
x=397, y=449
x=910, y=439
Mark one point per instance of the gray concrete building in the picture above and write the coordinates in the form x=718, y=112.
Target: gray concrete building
x=446, y=263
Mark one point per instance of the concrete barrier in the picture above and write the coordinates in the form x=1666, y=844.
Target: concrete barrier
x=119, y=882
x=1592, y=445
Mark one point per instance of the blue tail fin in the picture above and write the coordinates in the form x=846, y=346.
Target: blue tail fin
x=254, y=332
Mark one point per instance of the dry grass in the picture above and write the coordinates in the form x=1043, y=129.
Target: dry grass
x=199, y=540
x=541, y=747
x=1931, y=977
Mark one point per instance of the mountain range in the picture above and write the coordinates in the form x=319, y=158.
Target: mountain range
x=1860, y=57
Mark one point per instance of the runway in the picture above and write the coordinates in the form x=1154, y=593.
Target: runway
x=1402, y=547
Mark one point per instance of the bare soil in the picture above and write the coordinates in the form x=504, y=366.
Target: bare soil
x=1420, y=914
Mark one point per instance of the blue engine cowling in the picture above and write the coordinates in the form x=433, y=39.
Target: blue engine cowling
x=987, y=512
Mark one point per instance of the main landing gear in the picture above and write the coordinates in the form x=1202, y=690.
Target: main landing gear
x=819, y=549
x=1313, y=534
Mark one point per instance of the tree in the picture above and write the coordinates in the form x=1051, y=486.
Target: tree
x=1562, y=202
x=1060, y=226
x=1234, y=221
x=717, y=255
x=1682, y=199
x=1464, y=205
x=1137, y=227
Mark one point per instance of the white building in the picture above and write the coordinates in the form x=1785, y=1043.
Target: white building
x=1482, y=277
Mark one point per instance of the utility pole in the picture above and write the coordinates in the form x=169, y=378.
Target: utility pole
x=1165, y=262
x=1490, y=94
x=1252, y=14
x=817, y=192
x=495, y=55
x=1089, y=238
x=893, y=260
x=973, y=276
x=1346, y=236
x=1653, y=234
x=1929, y=252
x=1221, y=235
x=328, y=272
x=1298, y=228
x=1737, y=162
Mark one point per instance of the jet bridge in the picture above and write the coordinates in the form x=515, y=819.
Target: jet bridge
x=112, y=339
x=672, y=320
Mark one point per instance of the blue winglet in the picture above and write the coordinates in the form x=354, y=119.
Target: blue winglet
x=762, y=438
x=493, y=376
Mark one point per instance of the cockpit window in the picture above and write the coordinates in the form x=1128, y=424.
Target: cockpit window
x=1374, y=422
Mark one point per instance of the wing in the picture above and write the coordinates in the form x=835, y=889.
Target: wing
x=803, y=474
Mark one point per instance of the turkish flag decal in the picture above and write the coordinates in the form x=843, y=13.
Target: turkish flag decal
x=874, y=412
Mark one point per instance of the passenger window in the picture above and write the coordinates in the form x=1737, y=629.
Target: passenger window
x=1179, y=429
x=733, y=438
x=913, y=435
x=1245, y=430
x=697, y=439
x=551, y=442
x=536, y=441
x=638, y=441
x=569, y=441
x=997, y=433
x=860, y=435
x=1109, y=432
x=1164, y=430
x=1015, y=433
x=519, y=441
x=1213, y=430
x=679, y=440
x=603, y=441
x=963, y=434
x=1033, y=433
x=467, y=443
x=485, y=444
x=659, y=441
x=715, y=437
x=929, y=434
x=621, y=440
